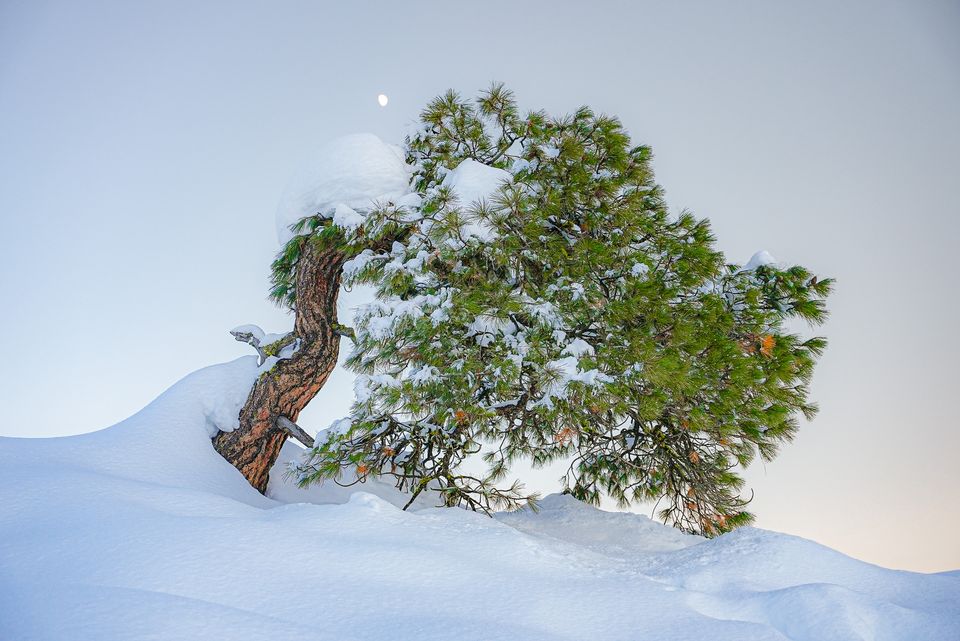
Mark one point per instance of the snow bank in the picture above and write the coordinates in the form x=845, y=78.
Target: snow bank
x=141, y=531
x=347, y=174
x=165, y=443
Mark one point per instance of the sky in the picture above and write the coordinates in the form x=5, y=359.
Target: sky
x=144, y=147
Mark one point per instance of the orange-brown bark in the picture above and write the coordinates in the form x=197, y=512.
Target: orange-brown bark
x=287, y=388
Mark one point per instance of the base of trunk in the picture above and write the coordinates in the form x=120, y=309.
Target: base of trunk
x=251, y=453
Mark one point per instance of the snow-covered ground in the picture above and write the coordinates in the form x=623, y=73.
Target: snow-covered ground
x=141, y=531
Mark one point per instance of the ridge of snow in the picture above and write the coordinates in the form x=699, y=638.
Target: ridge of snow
x=562, y=517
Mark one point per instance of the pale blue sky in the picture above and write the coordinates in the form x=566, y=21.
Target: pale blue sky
x=145, y=146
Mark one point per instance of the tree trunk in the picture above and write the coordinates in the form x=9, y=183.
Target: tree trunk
x=292, y=382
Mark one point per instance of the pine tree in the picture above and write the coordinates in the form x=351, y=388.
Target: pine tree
x=569, y=316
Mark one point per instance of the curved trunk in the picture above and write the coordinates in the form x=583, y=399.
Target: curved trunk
x=292, y=382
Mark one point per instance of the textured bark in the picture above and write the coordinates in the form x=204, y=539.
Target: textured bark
x=287, y=388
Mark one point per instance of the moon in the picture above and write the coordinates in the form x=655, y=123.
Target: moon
x=383, y=100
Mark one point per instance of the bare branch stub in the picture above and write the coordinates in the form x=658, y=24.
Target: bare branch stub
x=294, y=430
x=253, y=341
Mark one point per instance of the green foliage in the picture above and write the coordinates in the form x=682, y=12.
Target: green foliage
x=569, y=316
x=317, y=229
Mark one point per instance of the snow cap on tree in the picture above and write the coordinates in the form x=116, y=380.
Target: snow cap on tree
x=352, y=172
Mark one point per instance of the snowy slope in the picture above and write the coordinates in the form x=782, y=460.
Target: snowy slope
x=141, y=531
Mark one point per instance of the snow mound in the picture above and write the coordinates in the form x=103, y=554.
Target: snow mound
x=165, y=443
x=472, y=181
x=141, y=531
x=809, y=592
x=617, y=534
x=349, y=173
x=762, y=258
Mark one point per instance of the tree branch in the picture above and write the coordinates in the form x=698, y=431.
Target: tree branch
x=248, y=337
x=294, y=430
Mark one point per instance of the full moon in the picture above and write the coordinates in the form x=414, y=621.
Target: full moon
x=383, y=100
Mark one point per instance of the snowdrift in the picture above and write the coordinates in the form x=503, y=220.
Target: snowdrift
x=141, y=531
